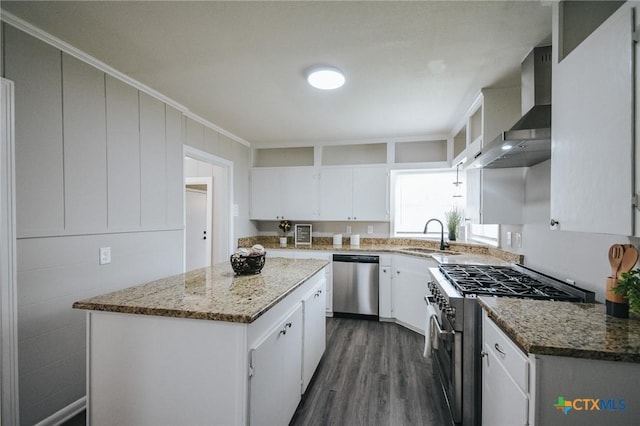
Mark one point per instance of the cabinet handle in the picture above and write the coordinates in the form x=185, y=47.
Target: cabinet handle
x=355, y=218
x=499, y=349
x=554, y=222
x=318, y=293
x=284, y=329
x=397, y=272
x=384, y=270
x=483, y=354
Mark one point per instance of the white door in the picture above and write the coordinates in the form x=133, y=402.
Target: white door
x=196, y=239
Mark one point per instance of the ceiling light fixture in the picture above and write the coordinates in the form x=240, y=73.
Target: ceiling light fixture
x=507, y=147
x=325, y=78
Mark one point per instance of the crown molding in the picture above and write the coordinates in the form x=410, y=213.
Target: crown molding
x=36, y=32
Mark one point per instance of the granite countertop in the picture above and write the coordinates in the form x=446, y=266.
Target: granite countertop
x=212, y=293
x=458, y=252
x=577, y=330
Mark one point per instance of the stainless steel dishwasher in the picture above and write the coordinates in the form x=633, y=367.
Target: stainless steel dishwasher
x=355, y=284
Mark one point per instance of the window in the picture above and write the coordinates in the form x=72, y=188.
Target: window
x=418, y=196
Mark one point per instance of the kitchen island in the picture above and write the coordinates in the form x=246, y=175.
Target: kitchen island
x=547, y=362
x=206, y=347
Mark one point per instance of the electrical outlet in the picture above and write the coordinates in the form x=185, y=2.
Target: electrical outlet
x=518, y=240
x=348, y=229
x=509, y=239
x=105, y=255
x=369, y=229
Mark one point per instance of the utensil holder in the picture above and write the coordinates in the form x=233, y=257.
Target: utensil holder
x=617, y=304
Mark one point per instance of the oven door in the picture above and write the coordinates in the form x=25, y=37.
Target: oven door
x=447, y=362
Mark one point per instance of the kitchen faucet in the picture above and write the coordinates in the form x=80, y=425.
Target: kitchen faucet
x=442, y=243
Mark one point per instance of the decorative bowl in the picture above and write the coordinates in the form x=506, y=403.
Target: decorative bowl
x=247, y=265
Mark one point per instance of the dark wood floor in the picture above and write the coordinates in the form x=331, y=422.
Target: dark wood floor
x=372, y=374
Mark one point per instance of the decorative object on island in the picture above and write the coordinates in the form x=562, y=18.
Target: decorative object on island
x=454, y=217
x=303, y=235
x=248, y=261
x=623, y=286
x=285, y=226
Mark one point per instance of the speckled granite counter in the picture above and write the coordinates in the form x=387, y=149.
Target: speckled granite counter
x=461, y=253
x=578, y=330
x=211, y=293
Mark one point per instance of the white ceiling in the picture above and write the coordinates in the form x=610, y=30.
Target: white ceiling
x=412, y=68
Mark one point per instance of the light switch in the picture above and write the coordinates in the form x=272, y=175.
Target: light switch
x=369, y=229
x=105, y=255
x=509, y=239
x=348, y=230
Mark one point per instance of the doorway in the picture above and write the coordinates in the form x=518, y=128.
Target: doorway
x=205, y=172
x=198, y=201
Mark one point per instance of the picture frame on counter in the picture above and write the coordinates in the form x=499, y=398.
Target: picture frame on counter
x=303, y=235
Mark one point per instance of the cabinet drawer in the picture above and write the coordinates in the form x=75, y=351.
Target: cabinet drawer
x=503, y=349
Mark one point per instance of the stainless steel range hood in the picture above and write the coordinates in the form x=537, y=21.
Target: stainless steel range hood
x=528, y=142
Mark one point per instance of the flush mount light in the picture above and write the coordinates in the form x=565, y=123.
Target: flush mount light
x=506, y=147
x=325, y=78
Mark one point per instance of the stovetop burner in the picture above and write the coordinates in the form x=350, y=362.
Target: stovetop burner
x=504, y=281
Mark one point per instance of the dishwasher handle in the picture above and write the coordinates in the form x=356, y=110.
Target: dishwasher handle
x=355, y=258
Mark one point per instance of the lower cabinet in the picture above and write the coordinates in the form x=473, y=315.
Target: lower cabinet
x=314, y=332
x=275, y=364
x=385, y=299
x=535, y=389
x=409, y=286
x=505, y=373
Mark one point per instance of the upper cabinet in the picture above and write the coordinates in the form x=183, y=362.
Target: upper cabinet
x=592, y=163
x=284, y=193
x=494, y=196
x=354, y=193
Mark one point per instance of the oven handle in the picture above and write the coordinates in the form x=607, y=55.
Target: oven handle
x=442, y=335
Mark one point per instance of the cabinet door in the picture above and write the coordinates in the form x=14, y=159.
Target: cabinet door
x=336, y=202
x=314, y=334
x=299, y=193
x=592, y=140
x=370, y=189
x=266, y=194
x=409, y=288
x=276, y=364
x=503, y=402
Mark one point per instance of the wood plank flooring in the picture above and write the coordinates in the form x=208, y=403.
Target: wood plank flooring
x=372, y=374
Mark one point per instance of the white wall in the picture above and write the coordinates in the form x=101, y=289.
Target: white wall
x=582, y=257
x=98, y=164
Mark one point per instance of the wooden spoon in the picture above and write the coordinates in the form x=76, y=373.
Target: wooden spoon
x=629, y=260
x=616, y=252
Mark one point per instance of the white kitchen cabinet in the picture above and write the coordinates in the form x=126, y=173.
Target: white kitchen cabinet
x=314, y=331
x=524, y=389
x=284, y=193
x=410, y=278
x=354, y=193
x=385, y=300
x=275, y=364
x=494, y=196
x=505, y=399
x=592, y=132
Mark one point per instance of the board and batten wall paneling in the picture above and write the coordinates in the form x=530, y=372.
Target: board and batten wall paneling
x=194, y=134
x=85, y=146
x=35, y=69
x=153, y=162
x=123, y=156
x=174, y=125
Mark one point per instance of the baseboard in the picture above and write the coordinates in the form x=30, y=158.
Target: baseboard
x=65, y=414
x=410, y=327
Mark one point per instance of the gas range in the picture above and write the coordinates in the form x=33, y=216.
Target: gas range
x=455, y=323
x=510, y=281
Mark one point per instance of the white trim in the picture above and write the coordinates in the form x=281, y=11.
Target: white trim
x=200, y=155
x=36, y=32
x=66, y=413
x=9, y=405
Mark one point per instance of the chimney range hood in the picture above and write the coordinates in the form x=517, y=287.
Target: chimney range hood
x=528, y=142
